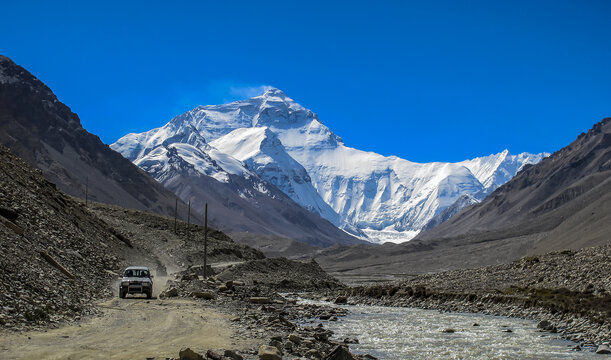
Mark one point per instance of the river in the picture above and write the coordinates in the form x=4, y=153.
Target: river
x=408, y=333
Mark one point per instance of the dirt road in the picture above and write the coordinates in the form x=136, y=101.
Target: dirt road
x=130, y=329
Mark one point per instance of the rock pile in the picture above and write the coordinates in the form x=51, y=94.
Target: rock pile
x=283, y=275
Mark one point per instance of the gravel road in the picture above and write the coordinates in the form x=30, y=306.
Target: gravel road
x=133, y=328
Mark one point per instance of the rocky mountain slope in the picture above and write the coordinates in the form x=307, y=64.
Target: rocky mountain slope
x=563, y=202
x=388, y=198
x=44, y=132
x=566, y=198
x=55, y=256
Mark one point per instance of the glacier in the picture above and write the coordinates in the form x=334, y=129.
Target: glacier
x=273, y=138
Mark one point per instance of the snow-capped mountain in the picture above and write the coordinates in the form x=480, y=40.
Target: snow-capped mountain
x=497, y=169
x=387, y=198
x=262, y=152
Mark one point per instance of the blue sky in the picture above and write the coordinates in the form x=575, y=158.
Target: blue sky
x=423, y=80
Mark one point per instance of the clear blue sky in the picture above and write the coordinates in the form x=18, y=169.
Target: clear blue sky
x=424, y=80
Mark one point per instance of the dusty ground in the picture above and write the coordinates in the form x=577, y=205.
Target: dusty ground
x=133, y=328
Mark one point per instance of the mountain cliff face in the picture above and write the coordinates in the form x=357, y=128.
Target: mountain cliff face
x=37, y=127
x=387, y=198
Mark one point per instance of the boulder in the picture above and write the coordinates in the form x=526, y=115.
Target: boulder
x=295, y=338
x=339, y=353
x=351, y=340
x=324, y=337
x=203, y=295
x=545, y=325
x=259, y=300
x=213, y=355
x=277, y=344
x=188, y=354
x=269, y=353
x=172, y=292
x=603, y=349
x=233, y=355
x=448, y=331
x=341, y=300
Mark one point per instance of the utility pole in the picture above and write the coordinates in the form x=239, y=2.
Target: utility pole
x=86, y=190
x=175, y=215
x=189, y=221
x=205, y=240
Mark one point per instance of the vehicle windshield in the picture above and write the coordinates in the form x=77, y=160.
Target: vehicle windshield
x=139, y=273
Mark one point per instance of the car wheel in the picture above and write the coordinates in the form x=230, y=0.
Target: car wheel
x=149, y=294
x=121, y=294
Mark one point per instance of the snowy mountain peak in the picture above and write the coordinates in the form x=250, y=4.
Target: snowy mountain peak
x=261, y=151
x=287, y=145
x=274, y=92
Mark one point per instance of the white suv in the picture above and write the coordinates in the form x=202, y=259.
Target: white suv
x=136, y=280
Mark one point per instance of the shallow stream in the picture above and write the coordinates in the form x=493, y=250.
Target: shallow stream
x=408, y=333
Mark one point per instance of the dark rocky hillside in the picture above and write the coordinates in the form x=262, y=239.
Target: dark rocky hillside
x=44, y=132
x=566, y=198
x=55, y=256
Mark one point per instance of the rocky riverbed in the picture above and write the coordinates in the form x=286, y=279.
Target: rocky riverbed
x=568, y=292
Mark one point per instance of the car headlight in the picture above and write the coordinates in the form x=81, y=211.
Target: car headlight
x=124, y=283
